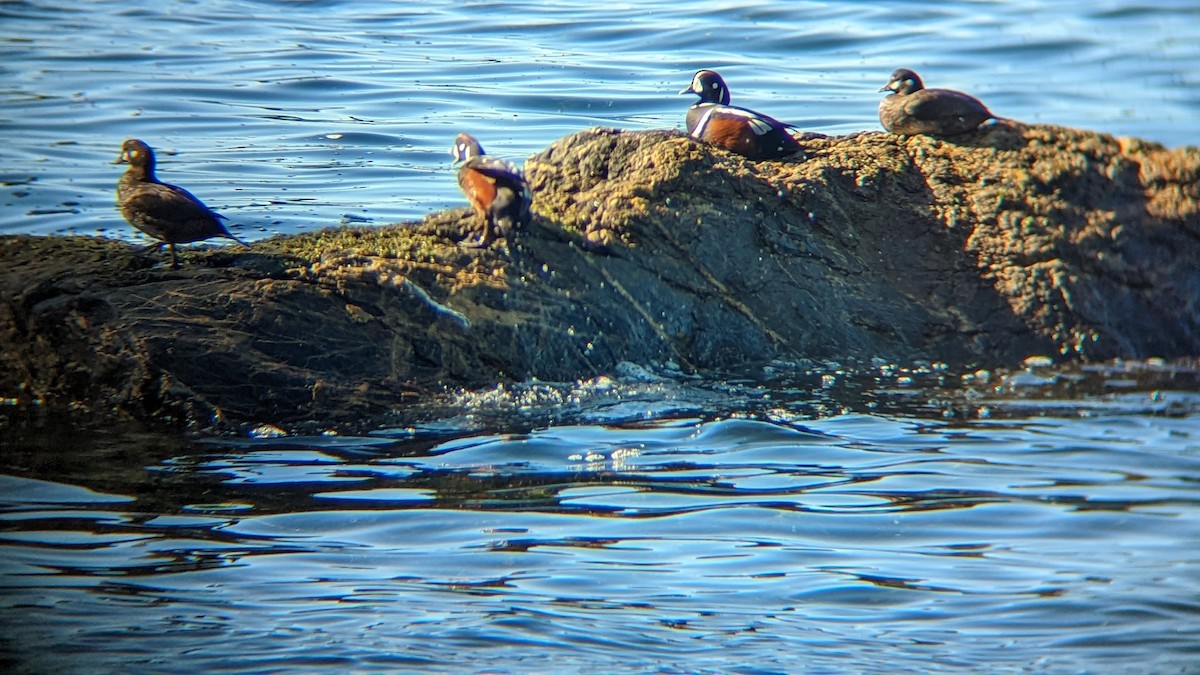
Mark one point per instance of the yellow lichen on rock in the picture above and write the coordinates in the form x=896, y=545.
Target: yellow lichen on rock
x=645, y=247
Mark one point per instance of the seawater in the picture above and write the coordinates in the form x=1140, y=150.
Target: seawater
x=908, y=522
x=635, y=523
x=291, y=116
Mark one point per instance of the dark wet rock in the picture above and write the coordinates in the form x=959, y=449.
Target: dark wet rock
x=644, y=247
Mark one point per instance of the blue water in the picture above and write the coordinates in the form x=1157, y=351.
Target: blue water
x=912, y=521
x=930, y=524
x=289, y=116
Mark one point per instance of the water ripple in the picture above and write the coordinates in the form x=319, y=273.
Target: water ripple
x=519, y=75
x=709, y=543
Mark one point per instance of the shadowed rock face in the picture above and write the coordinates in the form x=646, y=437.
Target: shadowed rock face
x=645, y=247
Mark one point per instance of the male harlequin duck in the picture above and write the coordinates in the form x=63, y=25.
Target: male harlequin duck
x=495, y=187
x=166, y=212
x=743, y=131
x=913, y=109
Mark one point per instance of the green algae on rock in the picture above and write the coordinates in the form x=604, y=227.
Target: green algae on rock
x=644, y=247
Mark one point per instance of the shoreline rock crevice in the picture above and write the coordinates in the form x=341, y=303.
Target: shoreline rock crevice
x=645, y=247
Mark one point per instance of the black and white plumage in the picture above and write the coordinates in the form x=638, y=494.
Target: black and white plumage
x=746, y=132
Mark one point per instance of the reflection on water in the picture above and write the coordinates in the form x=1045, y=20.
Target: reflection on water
x=878, y=542
x=829, y=525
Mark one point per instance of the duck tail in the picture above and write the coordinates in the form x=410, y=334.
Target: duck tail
x=230, y=235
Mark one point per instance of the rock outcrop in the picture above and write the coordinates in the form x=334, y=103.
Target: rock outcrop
x=645, y=247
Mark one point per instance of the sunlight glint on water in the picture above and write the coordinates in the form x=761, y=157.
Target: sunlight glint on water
x=667, y=527
x=867, y=542
x=294, y=116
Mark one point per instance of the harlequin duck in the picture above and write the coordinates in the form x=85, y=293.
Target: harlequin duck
x=913, y=109
x=495, y=187
x=713, y=120
x=166, y=212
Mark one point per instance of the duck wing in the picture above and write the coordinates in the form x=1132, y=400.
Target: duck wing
x=171, y=213
x=943, y=104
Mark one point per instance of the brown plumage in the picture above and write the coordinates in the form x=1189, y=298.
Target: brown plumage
x=166, y=212
x=912, y=109
x=495, y=187
x=746, y=132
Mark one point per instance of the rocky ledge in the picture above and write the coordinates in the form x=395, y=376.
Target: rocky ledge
x=645, y=247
